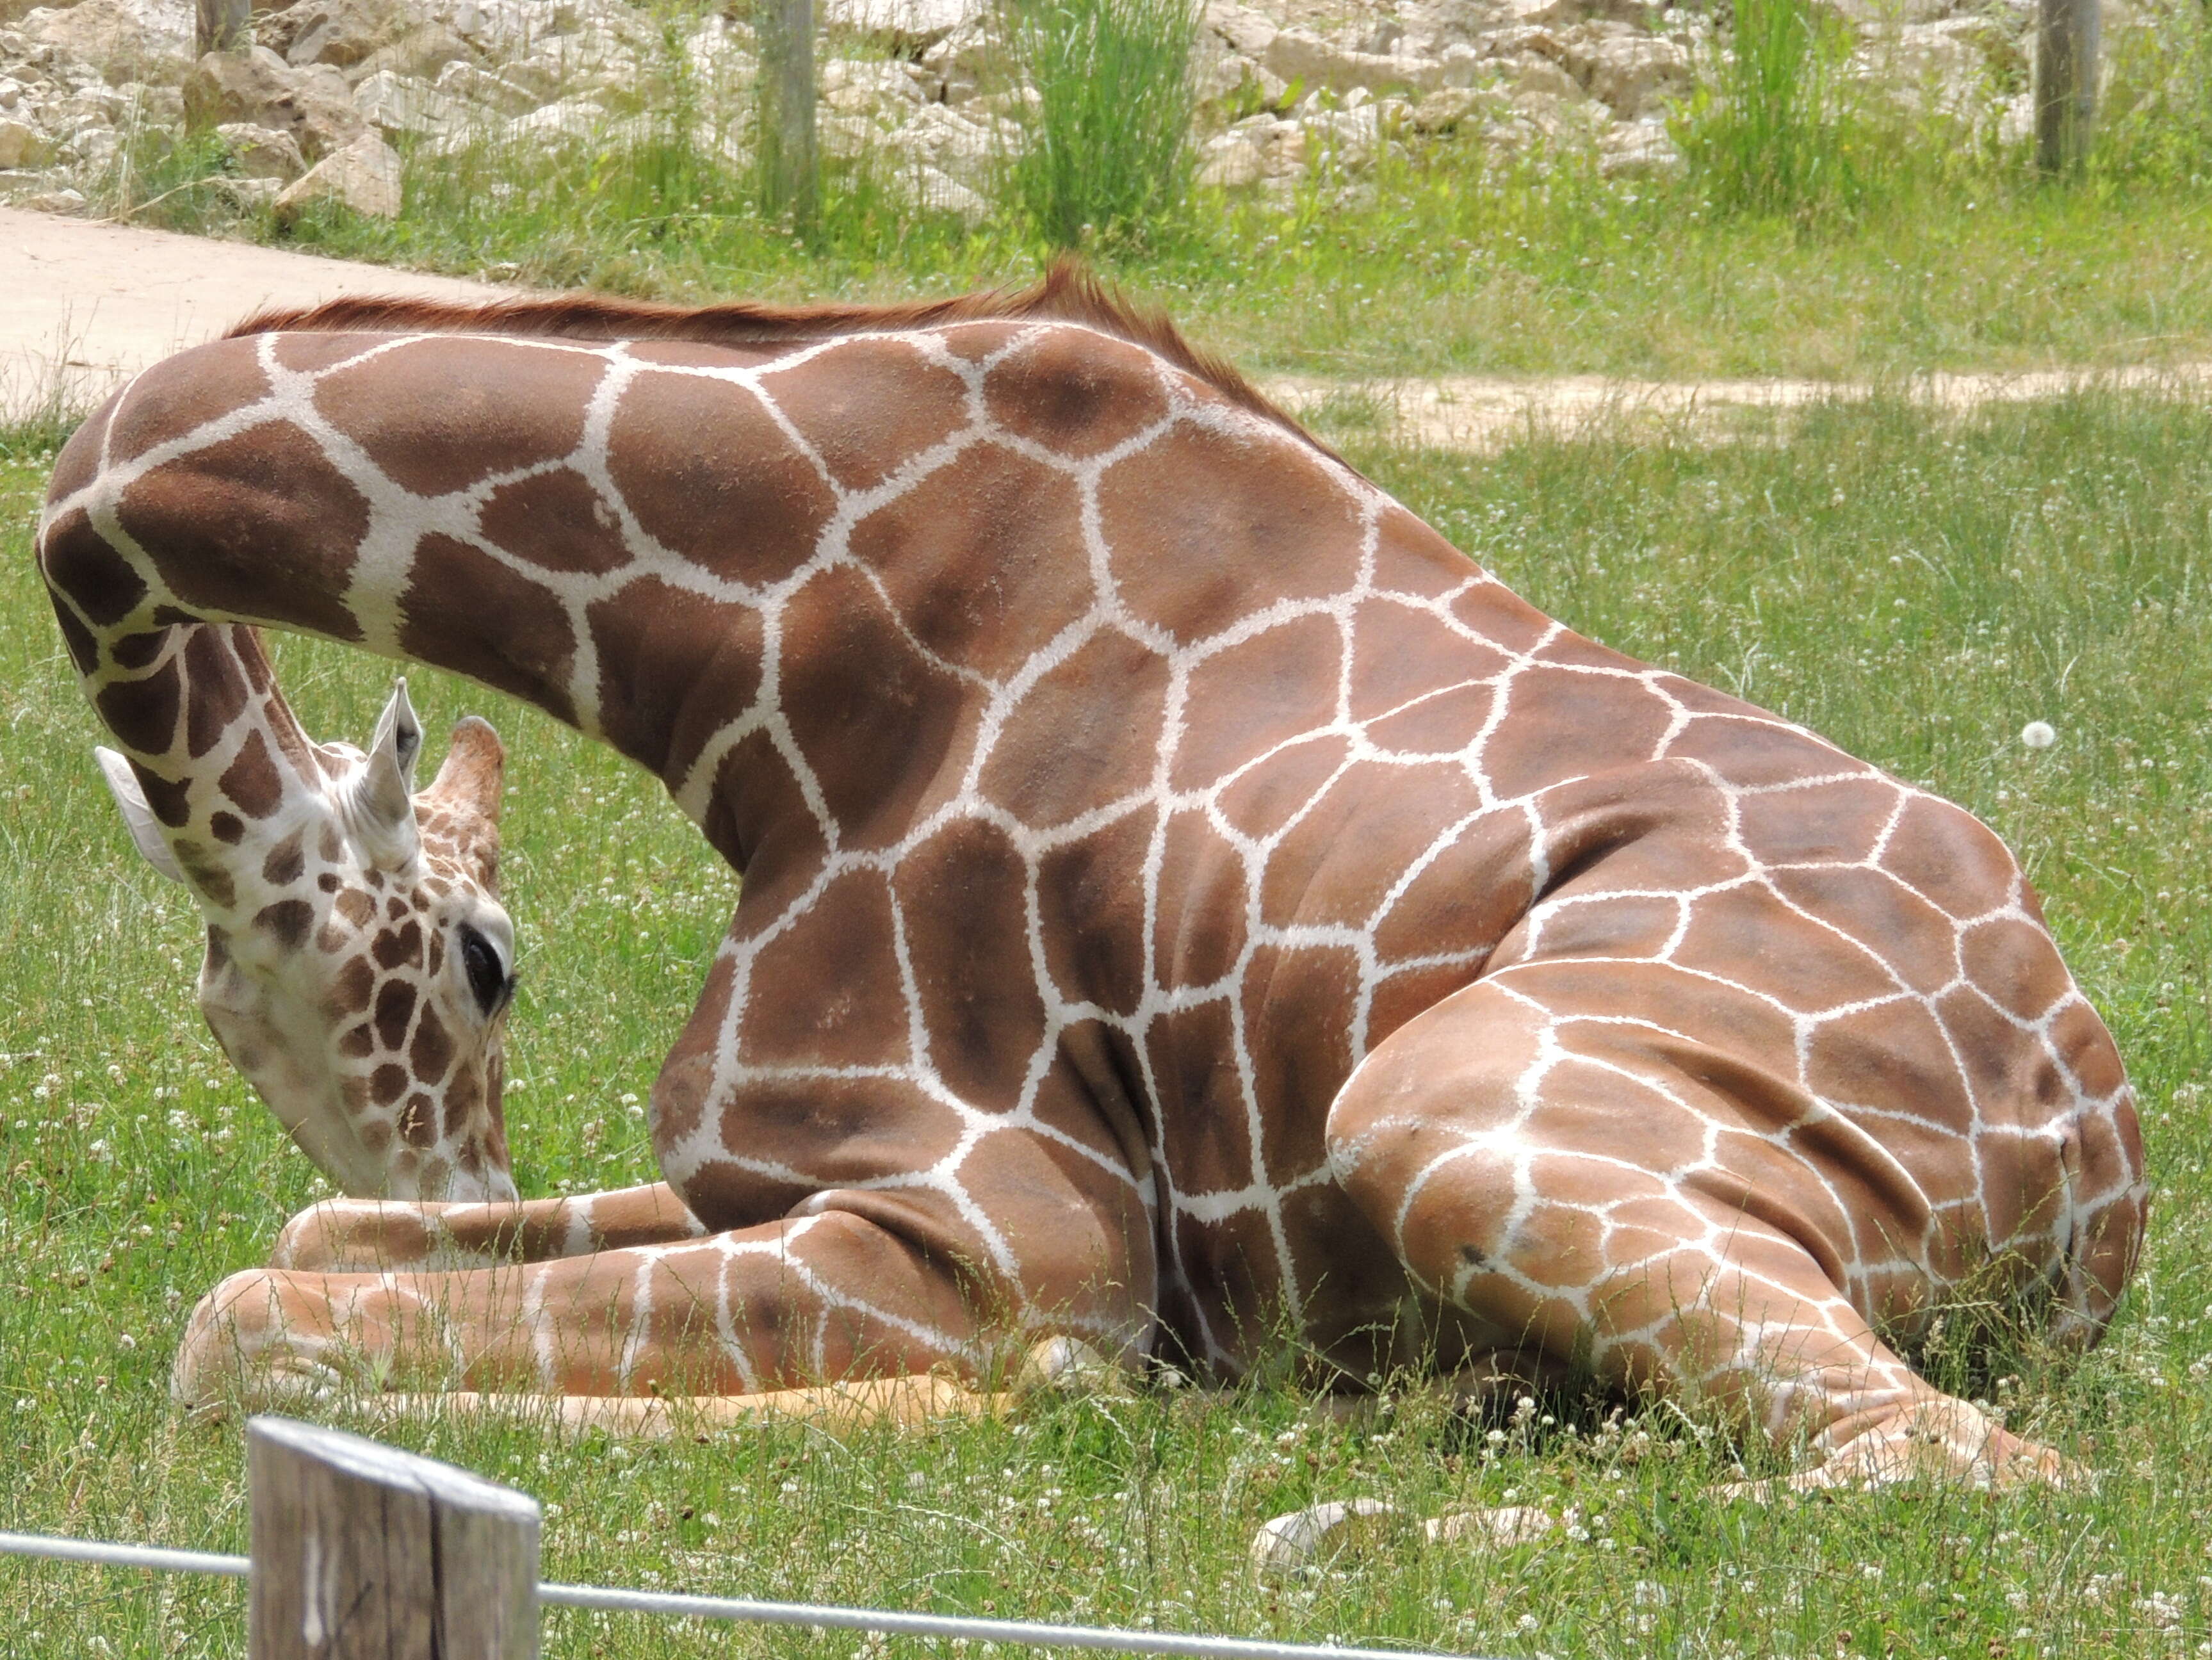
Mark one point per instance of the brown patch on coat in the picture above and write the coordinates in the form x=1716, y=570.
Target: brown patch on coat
x=437, y=415
x=1075, y=394
x=287, y=921
x=351, y=988
x=395, y=1007
x=143, y=714
x=252, y=779
x=285, y=862
x=397, y=946
x=675, y=668
x=93, y=576
x=432, y=1051
x=868, y=407
x=418, y=1120
x=218, y=690
x=714, y=479
x=984, y=561
x=556, y=519
x=1072, y=749
x=215, y=514
x=1185, y=556
x=452, y=588
x=171, y=802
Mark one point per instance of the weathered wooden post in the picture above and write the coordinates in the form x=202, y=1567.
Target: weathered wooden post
x=784, y=31
x=2065, y=83
x=361, y=1551
x=224, y=26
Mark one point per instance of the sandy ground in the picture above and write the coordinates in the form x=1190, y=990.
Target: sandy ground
x=1471, y=412
x=83, y=305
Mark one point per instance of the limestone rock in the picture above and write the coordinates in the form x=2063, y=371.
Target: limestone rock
x=470, y=85
x=1635, y=76
x=339, y=32
x=901, y=27
x=395, y=104
x=21, y=144
x=262, y=152
x=1301, y=55
x=363, y=176
x=1449, y=109
x=567, y=118
x=1638, y=149
x=54, y=200
x=422, y=53
x=119, y=39
x=858, y=86
x=314, y=105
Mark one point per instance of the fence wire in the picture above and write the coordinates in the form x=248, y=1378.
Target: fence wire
x=676, y=1605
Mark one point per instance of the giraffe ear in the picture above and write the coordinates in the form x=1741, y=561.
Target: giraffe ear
x=122, y=784
x=383, y=799
x=474, y=770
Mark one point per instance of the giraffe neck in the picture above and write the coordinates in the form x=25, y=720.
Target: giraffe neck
x=795, y=600
x=222, y=761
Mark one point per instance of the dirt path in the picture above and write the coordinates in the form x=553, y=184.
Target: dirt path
x=1477, y=413
x=83, y=304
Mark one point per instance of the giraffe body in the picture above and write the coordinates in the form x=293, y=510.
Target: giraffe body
x=1182, y=896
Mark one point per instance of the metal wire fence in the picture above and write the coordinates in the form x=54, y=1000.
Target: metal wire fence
x=822, y=1616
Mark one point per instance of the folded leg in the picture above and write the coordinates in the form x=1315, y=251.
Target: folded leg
x=788, y=1304
x=376, y=1235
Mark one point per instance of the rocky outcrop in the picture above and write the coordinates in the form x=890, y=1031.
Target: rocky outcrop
x=923, y=87
x=313, y=105
x=363, y=176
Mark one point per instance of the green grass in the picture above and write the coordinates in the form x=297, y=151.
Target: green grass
x=1105, y=155
x=1918, y=590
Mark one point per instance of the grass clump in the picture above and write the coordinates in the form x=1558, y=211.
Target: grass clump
x=1104, y=151
x=1767, y=128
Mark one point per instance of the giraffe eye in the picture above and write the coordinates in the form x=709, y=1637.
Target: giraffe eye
x=487, y=975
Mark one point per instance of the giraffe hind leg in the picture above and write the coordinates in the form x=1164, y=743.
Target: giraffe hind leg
x=1568, y=1203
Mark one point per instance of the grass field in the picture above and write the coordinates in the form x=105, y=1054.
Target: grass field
x=1916, y=589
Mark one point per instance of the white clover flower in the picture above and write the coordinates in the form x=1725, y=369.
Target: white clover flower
x=2038, y=735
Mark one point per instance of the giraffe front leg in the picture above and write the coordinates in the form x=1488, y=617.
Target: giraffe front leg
x=784, y=1306
x=371, y=1236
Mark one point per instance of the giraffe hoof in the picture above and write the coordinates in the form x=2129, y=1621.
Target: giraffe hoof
x=1067, y=1365
x=1308, y=1539
x=1499, y=1526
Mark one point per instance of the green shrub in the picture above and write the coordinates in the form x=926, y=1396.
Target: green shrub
x=1770, y=127
x=1104, y=150
x=2157, y=121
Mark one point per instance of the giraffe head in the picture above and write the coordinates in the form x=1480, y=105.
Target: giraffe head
x=359, y=963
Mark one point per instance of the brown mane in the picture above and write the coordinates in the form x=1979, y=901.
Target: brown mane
x=1070, y=292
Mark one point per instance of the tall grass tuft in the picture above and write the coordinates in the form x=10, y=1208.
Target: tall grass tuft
x=1767, y=130
x=1104, y=150
x=2157, y=121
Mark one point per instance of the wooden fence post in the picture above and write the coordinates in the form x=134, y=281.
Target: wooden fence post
x=361, y=1551
x=2065, y=83
x=223, y=26
x=784, y=31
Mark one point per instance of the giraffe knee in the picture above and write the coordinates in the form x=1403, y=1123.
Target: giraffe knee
x=255, y=1337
